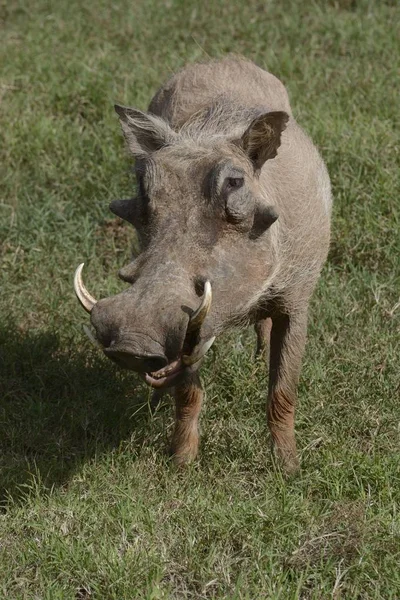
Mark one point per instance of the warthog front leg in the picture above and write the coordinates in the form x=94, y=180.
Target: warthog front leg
x=188, y=401
x=288, y=336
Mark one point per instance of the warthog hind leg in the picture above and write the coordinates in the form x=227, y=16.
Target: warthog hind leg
x=288, y=336
x=263, y=332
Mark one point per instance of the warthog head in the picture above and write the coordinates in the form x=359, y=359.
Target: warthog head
x=204, y=223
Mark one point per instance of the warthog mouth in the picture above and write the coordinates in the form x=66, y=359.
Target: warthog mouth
x=166, y=376
x=191, y=356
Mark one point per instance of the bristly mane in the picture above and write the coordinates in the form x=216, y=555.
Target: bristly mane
x=224, y=118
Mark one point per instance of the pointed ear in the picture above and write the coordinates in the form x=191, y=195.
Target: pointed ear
x=125, y=209
x=144, y=132
x=264, y=217
x=263, y=138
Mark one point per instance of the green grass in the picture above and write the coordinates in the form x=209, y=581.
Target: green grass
x=91, y=507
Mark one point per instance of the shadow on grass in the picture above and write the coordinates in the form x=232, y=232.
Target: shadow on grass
x=60, y=409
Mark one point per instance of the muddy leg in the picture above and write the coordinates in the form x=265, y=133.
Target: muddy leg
x=263, y=331
x=288, y=336
x=188, y=401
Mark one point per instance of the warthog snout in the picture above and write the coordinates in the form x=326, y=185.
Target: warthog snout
x=160, y=344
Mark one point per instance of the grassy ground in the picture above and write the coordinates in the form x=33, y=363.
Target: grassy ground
x=91, y=508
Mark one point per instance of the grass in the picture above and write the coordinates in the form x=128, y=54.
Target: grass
x=91, y=508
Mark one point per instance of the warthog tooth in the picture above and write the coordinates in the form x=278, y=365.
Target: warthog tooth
x=171, y=368
x=198, y=354
x=81, y=292
x=91, y=336
x=197, y=318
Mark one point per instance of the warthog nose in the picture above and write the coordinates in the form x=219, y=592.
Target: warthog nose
x=142, y=363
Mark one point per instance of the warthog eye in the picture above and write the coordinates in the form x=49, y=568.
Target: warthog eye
x=232, y=183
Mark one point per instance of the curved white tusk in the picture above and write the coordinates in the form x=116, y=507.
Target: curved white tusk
x=91, y=337
x=198, y=354
x=81, y=292
x=197, y=318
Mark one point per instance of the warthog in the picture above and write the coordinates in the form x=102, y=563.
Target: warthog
x=233, y=216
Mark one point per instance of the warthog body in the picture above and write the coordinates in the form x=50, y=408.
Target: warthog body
x=233, y=197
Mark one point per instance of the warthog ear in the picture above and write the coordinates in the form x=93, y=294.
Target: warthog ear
x=263, y=138
x=144, y=132
x=264, y=217
x=125, y=209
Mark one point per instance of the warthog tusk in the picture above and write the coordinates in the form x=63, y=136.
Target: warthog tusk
x=81, y=292
x=91, y=337
x=198, y=354
x=197, y=318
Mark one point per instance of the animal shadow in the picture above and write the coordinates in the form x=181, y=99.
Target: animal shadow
x=58, y=410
